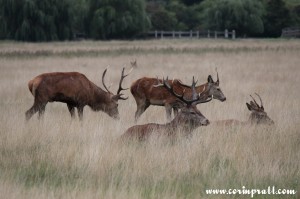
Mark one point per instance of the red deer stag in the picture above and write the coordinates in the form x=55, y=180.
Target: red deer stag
x=258, y=115
x=146, y=94
x=76, y=90
x=188, y=119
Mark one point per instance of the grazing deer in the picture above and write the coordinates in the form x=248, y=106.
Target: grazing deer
x=76, y=90
x=134, y=64
x=146, y=94
x=258, y=115
x=188, y=119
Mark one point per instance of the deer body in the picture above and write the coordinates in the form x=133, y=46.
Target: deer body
x=146, y=94
x=183, y=122
x=74, y=89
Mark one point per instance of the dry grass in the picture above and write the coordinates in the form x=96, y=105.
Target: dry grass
x=60, y=158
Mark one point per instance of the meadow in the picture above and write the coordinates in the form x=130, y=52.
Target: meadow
x=57, y=157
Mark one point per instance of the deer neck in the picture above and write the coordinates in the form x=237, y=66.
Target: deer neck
x=180, y=123
x=203, y=89
x=99, y=99
x=252, y=119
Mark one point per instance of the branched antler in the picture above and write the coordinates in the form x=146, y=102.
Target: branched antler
x=120, y=84
x=195, y=97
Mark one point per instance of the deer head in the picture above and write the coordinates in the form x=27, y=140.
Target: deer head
x=258, y=114
x=189, y=117
x=214, y=89
x=111, y=105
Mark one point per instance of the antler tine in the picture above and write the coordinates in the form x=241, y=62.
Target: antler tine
x=217, y=75
x=262, y=106
x=194, y=93
x=103, y=75
x=120, y=84
x=194, y=83
x=158, y=83
x=254, y=101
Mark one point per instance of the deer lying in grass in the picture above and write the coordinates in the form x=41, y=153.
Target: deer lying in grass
x=74, y=89
x=257, y=116
x=188, y=119
x=146, y=94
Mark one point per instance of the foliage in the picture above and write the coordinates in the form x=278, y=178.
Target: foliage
x=244, y=16
x=79, y=13
x=277, y=17
x=36, y=20
x=191, y=2
x=48, y=20
x=108, y=19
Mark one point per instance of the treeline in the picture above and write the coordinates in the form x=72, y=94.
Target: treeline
x=50, y=20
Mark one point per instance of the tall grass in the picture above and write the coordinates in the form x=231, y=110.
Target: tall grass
x=57, y=157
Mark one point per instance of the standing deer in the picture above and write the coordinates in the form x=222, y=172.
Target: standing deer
x=134, y=64
x=76, y=90
x=146, y=94
x=188, y=119
x=257, y=116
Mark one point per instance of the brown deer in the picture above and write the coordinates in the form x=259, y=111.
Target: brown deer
x=188, y=119
x=146, y=94
x=76, y=90
x=134, y=64
x=257, y=116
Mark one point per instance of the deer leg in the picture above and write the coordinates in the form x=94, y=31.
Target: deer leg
x=80, y=112
x=31, y=111
x=168, y=112
x=175, y=109
x=71, y=110
x=37, y=106
x=141, y=108
x=41, y=110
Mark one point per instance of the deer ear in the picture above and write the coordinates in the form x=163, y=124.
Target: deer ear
x=210, y=79
x=249, y=107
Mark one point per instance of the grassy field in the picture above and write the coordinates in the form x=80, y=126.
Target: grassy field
x=57, y=157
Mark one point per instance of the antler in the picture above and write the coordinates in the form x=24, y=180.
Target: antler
x=261, y=106
x=218, y=81
x=195, y=97
x=103, y=75
x=120, y=84
x=255, y=104
x=183, y=84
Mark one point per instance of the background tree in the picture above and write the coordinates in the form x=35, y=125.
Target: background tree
x=188, y=17
x=191, y=2
x=36, y=20
x=79, y=13
x=244, y=16
x=277, y=17
x=109, y=19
